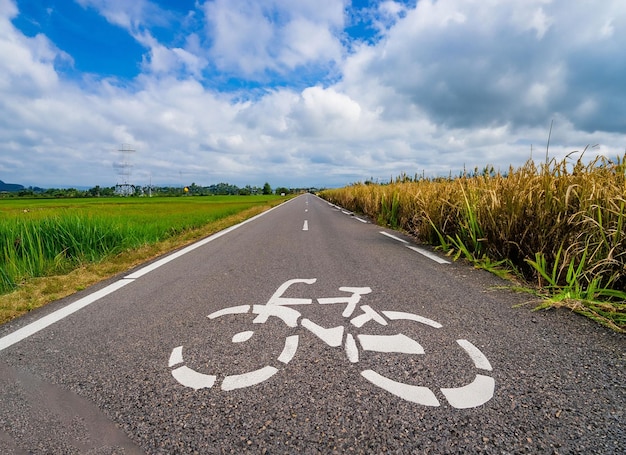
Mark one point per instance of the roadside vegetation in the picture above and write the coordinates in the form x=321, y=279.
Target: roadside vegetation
x=50, y=248
x=217, y=189
x=557, y=228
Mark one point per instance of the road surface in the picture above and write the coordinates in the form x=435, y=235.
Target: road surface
x=308, y=330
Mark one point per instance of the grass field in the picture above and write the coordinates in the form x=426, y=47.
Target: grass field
x=559, y=226
x=53, y=247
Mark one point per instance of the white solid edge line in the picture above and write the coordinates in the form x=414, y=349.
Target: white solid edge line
x=391, y=236
x=421, y=251
x=59, y=314
x=428, y=254
x=40, y=324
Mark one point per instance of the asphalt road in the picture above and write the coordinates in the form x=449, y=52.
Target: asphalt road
x=307, y=330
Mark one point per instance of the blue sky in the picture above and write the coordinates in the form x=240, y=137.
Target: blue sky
x=85, y=35
x=102, y=44
x=302, y=93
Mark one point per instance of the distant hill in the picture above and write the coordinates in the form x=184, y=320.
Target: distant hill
x=10, y=186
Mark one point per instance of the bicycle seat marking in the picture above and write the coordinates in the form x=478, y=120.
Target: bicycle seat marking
x=474, y=394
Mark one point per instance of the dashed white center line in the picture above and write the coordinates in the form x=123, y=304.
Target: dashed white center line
x=305, y=227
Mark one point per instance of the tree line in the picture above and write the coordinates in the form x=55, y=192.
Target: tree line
x=218, y=189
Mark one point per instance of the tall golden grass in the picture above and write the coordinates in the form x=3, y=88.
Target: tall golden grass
x=559, y=225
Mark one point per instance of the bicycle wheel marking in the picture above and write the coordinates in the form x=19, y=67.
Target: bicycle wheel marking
x=473, y=394
x=291, y=346
x=176, y=356
x=191, y=378
x=186, y=376
x=239, y=381
x=412, y=393
x=479, y=359
x=242, y=336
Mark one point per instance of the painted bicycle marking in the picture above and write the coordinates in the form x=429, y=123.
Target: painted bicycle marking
x=474, y=394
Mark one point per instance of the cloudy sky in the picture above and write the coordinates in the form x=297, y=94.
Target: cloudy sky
x=302, y=92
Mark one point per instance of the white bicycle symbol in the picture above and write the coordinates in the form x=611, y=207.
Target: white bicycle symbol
x=476, y=393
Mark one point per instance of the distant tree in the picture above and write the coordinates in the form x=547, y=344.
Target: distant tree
x=251, y=189
x=222, y=189
x=195, y=189
x=25, y=193
x=107, y=192
x=282, y=190
x=267, y=189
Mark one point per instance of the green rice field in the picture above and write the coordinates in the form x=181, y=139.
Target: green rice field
x=46, y=237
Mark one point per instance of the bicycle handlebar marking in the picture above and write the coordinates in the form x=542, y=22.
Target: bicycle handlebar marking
x=474, y=394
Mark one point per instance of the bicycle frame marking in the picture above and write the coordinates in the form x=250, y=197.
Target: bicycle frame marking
x=474, y=394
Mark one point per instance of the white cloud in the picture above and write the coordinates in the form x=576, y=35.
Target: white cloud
x=470, y=63
x=8, y=9
x=325, y=113
x=128, y=15
x=531, y=16
x=163, y=60
x=300, y=49
x=137, y=17
x=27, y=63
x=250, y=37
x=540, y=23
x=241, y=37
x=446, y=84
